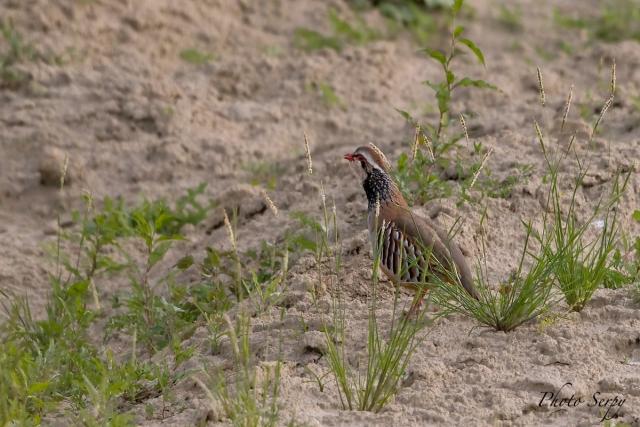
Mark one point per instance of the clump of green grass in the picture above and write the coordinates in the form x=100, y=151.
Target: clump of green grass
x=100, y=240
x=246, y=400
x=326, y=93
x=636, y=292
x=322, y=239
x=420, y=180
x=501, y=189
x=568, y=21
x=58, y=358
x=566, y=47
x=45, y=362
x=310, y=40
x=478, y=176
x=387, y=360
x=147, y=314
x=419, y=18
x=249, y=399
x=387, y=357
x=586, y=263
x=545, y=54
x=54, y=359
x=196, y=57
x=343, y=33
x=527, y=294
x=445, y=89
x=625, y=263
x=16, y=51
x=511, y=19
x=259, y=273
x=625, y=267
x=263, y=173
x=618, y=20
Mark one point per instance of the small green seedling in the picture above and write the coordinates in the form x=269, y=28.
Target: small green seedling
x=196, y=57
x=343, y=33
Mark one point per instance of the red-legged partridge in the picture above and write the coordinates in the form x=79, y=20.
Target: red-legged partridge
x=406, y=238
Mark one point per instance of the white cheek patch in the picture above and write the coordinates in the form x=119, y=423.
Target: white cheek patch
x=371, y=161
x=357, y=171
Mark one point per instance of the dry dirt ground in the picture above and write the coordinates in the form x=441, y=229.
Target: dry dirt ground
x=137, y=121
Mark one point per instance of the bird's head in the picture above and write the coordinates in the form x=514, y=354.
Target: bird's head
x=370, y=158
x=378, y=183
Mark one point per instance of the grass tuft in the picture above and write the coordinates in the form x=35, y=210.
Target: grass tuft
x=525, y=295
x=420, y=18
x=57, y=359
x=585, y=261
x=343, y=33
x=264, y=174
x=249, y=399
x=16, y=52
x=618, y=20
x=326, y=93
x=385, y=365
x=574, y=257
x=386, y=360
x=586, y=248
x=511, y=19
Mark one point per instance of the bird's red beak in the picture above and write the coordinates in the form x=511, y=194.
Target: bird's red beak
x=350, y=157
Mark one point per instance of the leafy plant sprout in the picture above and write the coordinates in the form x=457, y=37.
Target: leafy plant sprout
x=56, y=358
x=421, y=174
x=450, y=82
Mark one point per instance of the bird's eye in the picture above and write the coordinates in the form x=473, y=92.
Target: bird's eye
x=363, y=164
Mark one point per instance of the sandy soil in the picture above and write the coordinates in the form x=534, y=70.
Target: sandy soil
x=136, y=120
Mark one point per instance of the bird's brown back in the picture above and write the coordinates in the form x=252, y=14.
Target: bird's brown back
x=413, y=247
